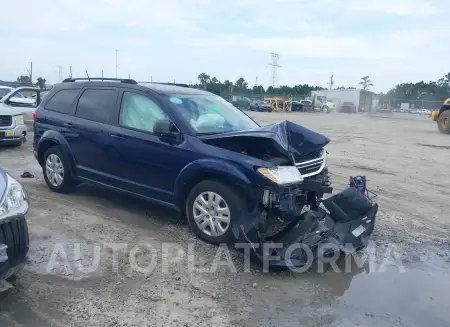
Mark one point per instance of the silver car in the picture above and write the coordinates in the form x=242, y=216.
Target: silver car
x=12, y=126
x=23, y=100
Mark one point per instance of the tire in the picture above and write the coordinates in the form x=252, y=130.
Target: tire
x=444, y=122
x=68, y=183
x=233, y=199
x=15, y=235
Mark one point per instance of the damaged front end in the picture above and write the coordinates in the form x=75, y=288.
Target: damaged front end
x=292, y=223
x=285, y=233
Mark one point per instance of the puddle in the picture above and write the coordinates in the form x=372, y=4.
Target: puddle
x=417, y=296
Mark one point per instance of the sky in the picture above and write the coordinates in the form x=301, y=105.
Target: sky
x=392, y=41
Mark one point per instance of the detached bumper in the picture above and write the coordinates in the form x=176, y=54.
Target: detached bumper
x=344, y=225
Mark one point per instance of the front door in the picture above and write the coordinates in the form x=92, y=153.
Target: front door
x=146, y=164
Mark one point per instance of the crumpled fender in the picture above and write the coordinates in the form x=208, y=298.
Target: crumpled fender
x=211, y=167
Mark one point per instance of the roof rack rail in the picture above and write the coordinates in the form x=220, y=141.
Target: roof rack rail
x=121, y=80
x=175, y=84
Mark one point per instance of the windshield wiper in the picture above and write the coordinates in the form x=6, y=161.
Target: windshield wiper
x=208, y=133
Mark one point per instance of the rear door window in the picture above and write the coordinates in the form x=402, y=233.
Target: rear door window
x=97, y=105
x=62, y=101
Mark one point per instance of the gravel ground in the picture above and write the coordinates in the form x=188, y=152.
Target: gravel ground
x=74, y=277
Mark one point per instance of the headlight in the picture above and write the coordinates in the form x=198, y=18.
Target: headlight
x=15, y=199
x=282, y=175
x=18, y=119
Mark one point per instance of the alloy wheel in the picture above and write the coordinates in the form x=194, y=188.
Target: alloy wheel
x=211, y=214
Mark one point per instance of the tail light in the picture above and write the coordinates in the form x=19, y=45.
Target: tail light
x=34, y=115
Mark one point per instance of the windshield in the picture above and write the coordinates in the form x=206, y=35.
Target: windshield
x=211, y=114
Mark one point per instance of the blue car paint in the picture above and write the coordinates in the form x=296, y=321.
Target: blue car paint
x=146, y=165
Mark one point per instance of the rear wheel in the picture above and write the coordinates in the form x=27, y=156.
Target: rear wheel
x=444, y=122
x=211, y=209
x=57, y=174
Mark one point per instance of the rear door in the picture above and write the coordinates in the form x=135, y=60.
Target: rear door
x=90, y=127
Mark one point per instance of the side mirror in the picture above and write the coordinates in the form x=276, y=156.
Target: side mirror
x=166, y=129
x=22, y=102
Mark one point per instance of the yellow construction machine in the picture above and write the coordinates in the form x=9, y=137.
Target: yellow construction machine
x=280, y=104
x=442, y=117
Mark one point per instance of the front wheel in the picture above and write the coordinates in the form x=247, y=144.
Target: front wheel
x=444, y=122
x=211, y=209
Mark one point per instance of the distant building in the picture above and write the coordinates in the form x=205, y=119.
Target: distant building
x=363, y=100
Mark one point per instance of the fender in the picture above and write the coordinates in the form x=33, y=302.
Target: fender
x=52, y=137
x=207, y=167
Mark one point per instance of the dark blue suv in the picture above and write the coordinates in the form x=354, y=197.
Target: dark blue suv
x=184, y=148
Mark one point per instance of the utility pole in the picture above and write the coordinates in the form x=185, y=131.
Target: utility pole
x=274, y=68
x=70, y=71
x=116, y=63
x=30, y=73
x=331, y=82
x=60, y=73
x=256, y=81
x=102, y=73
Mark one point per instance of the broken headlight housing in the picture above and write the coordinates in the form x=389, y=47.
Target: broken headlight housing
x=15, y=199
x=282, y=175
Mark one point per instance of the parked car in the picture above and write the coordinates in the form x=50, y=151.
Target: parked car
x=193, y=151
x=14, y=238
x=4, y=90
x=260, y=105
x=16, y=100
x=306, y=105
x=13, y=130
x=348, y=107
x=328, y=106
x=243, y=104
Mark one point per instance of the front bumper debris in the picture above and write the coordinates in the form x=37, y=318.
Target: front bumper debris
x=3, y=253
x=343, y=223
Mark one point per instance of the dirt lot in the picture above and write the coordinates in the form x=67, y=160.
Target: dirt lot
x=407, y=163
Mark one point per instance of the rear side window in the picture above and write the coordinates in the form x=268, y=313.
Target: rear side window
x=97, y=105
x=62, y=101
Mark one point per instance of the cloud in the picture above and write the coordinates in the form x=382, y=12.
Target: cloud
x=178, y=39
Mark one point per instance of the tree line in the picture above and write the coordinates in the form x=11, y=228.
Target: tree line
x=26, y=80
x=214, y=85
x=429, y=91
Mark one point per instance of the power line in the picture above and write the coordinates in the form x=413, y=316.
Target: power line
x=274, y=68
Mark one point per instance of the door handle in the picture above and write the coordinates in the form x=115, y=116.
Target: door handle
x=68, y=124
x=118, y=136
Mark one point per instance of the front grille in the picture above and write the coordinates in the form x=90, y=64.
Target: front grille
x=5, y=121
x=312, y=167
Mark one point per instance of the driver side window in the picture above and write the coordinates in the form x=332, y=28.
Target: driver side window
x=139, y=112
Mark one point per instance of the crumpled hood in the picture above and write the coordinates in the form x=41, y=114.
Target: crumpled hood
x=290, y=137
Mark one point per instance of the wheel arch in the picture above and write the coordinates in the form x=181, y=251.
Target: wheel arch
x=52, y=138
x=201, y=170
